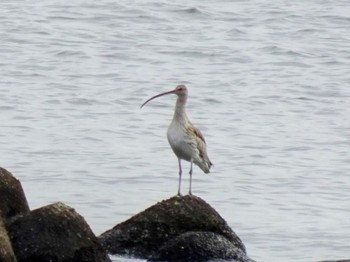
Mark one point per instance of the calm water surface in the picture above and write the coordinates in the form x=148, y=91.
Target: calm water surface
x=269, y=88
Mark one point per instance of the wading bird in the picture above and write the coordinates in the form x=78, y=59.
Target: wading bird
x=185, y=139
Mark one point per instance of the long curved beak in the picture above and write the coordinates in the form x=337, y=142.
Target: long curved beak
x=162, y=94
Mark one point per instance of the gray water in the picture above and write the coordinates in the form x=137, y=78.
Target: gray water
x=268, y=87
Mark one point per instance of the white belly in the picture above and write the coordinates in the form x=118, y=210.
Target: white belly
x=180, y=142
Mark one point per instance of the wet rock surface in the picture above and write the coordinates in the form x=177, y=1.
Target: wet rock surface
x=143, y=234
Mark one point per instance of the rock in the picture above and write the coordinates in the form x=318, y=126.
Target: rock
x=343, y=260
x=54, y=233
x=141, y=235
x=6, y=251
x=199, y=247
x=13, y=200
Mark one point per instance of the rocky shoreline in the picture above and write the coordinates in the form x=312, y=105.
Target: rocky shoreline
x=179, y=229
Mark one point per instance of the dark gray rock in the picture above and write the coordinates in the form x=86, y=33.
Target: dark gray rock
x=13, y=200
x=343, y=260
x=6, y=251
x=142, y=235
x=199, y=247
x=54, y=233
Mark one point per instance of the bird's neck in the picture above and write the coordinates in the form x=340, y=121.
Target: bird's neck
x=180, y=109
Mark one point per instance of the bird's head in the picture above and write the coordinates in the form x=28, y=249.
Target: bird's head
x=180, y=91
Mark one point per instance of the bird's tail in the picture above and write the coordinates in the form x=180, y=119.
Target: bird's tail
x=205, y=165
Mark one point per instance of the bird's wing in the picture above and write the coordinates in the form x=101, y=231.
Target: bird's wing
x=199, y=140
x=199, y=143
x=194, y=130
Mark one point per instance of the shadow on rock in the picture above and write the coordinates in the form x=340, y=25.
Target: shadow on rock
x=186, y=222
x=198, y=246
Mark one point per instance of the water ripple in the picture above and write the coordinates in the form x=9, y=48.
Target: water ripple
x=268, y=88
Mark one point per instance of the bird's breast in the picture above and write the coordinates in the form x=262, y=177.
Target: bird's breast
x=179, y=141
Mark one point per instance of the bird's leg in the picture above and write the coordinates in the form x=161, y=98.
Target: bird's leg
x=190, y=192
x=180, y=174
